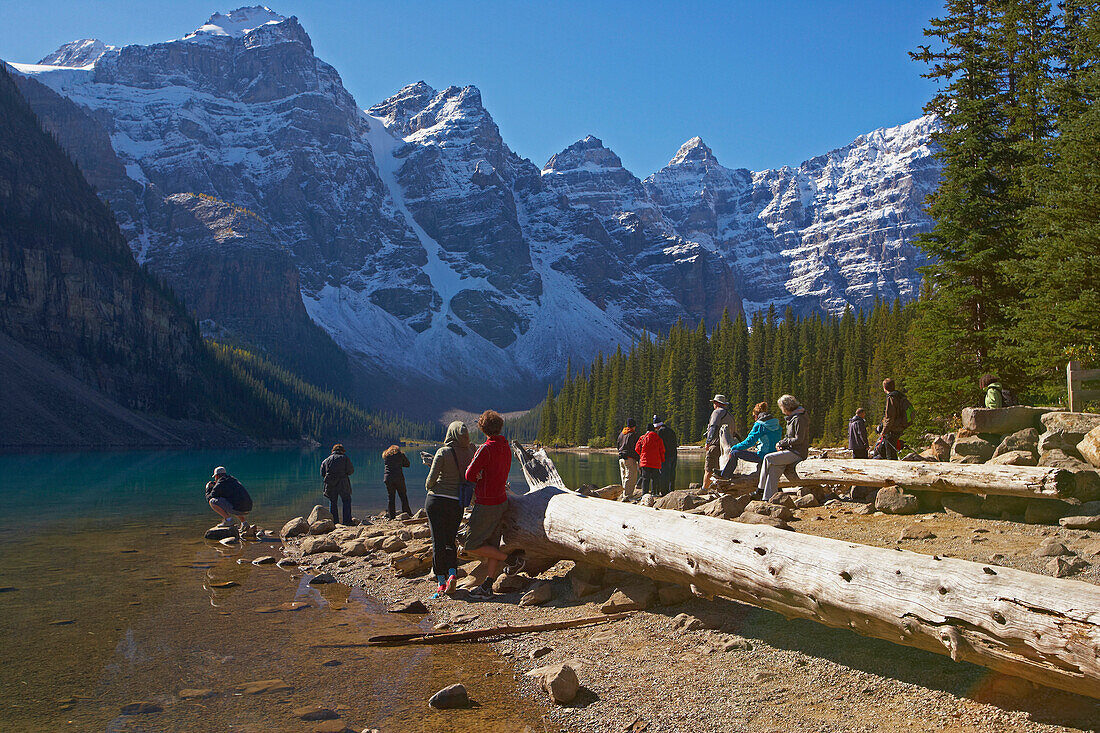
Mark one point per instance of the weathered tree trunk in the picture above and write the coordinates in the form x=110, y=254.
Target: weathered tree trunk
x=1028, y=481
x=1043, y=629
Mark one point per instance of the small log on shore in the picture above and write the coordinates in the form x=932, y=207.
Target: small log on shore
x=1026, y=481
x=1043, y=629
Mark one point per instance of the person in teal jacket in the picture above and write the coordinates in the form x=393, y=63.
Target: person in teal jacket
x=765, y=432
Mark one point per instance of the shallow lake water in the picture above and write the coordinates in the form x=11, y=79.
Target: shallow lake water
x=109, y=596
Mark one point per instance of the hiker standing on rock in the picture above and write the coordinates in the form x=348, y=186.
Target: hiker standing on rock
x=672, y=442
x=444, y=509
x=651, y=452
x=628, y=458
x=894, y=421
x=789, y=451
x=335, y=473
x=393, y=475
x=489, y=469
x=857, y=434
x=712, y=464
x=765, y=432
x=228, y=498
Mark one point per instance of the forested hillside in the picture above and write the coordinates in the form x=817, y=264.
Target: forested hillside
x=833, y=364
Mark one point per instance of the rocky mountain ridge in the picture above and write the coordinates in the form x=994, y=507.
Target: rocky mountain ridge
x=437, y=258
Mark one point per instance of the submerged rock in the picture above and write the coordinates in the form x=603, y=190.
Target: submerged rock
x=259, y=687
x=140, y=708
x=315, y=712
x=413, y=606
x=220, y=532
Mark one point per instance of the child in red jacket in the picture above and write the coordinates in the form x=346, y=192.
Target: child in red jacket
x=651, y=454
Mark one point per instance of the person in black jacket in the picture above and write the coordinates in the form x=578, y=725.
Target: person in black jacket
x=672, y=442
x=394, y=477
x=228, y=498
x=857, y=434
x=335, y=473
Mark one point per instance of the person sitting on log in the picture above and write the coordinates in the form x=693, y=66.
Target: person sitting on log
x=489, y=470
x=228, y=498
x=651, y=452
x=765, y=432
x=789, y=451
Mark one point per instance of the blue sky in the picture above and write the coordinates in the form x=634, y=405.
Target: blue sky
x=764, y=83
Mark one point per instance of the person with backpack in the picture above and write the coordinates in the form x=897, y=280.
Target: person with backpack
x=443, y=505
x=992, y=390
x=628, y=458
x=335, y=473
x=765, y=432
x=672, y=443
x=857, y=434
x=721, y=416
x=894, y=421
x=789, y=451
x=651, y=454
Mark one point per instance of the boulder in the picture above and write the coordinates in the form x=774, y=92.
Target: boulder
x=265, y=560
x=647, y=500
x=1051, y=549
x=726, y=506
x=509, y=583
x=411, y=606
x=1015, y=458
x=1001, y=420
x=559, y=681
x=393, y=544
x=1061, y=567
x=612, y=492
x=672, y=594
x=680, y=500
x=318, y=513
x=322, y=579
x=1087, y=478
x=322, y=526
x=928, y=501
x=1025, y=440
x=806, y=502
x=294, y=528
x=965, y=505
x=687, y=622
x=421, y=533
x=421, y=513
x=892, y=500
x=1071, y=422
x=916, y=532
x=1059, y=440
x=940, y=448
x=1046, y=511
x=636, y=597
x=1089, y=447
x=412, y=565
x=313, y=545
x=996, y=505
x=220, y=532
x=754, y=518
x=586, y=579
x=767, y=509
x=972, y=447
x=542, y=592
x=354, y=548
x=1086, y=521
x=450, y=698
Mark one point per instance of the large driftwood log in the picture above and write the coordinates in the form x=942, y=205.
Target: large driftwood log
x=1043, y=629
x=1029, y=481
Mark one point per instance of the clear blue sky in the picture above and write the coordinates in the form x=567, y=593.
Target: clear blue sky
x=764, y=82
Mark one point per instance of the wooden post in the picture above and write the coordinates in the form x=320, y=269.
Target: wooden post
x=1043, y=629
x=1081, y=384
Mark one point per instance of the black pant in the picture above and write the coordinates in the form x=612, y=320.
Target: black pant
x=887, y=446
x=395, y=487
x=668, y=474
x=444, y=516
x=650, y=482
x=345, y=499
x=859, y=452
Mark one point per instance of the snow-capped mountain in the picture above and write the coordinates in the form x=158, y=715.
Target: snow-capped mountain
x=436, y=257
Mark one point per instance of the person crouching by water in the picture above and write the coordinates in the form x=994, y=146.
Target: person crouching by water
x=393, y=476
x=790, y=450
x=447, y=473
x=651, y=452
x=335, y=473
x=489, y=469
x=228, y=498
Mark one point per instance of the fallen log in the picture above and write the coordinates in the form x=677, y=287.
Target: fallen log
x=1043, y=629
x=982, y=478
x=446, y=637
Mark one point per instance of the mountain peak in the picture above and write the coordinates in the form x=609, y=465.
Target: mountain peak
x=694, y=151
x=236, y=23
x=588, y=153
x=75, y=54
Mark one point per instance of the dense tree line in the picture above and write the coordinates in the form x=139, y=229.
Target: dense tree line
x=274, y=403
x=833, y=364
x=1014, y=288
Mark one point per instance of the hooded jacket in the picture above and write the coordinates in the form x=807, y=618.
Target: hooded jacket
x=857, y=433
x=798, y=434
x=449, y=464
x=335, y=471
x=766, y=431
x=651, y=450
x=895, y=419
x=671, y=441
x=628, y=441
x=993, y=397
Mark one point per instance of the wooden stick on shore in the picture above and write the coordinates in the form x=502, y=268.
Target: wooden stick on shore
x=446, y=637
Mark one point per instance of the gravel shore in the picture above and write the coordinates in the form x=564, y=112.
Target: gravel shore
x=700, y=666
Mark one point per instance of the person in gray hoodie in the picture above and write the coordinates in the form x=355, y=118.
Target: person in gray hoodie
x=447, y=473
x=789, y=451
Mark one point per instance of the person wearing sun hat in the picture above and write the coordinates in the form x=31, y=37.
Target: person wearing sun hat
x=712, y=464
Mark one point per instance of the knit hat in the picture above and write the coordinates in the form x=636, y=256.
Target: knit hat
x=630, y=422
x=338, y=448
x=657, y=423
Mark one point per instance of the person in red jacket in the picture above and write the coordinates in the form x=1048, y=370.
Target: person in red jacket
x=489, y=469
x=651, y=454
